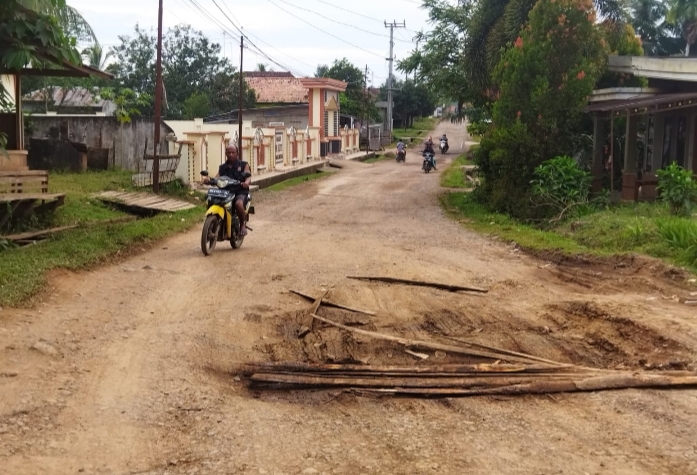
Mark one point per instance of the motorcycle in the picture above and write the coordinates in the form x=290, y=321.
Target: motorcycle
x=401, y=156
x=222, y=223
x=428, y=162
x=443, y=146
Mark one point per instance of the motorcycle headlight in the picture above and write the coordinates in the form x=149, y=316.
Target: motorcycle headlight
x=222, y=184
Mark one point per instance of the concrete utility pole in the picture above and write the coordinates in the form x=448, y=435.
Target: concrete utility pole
x=158, y=106
x=239, y=111
x=366, y=98
x=390, y=79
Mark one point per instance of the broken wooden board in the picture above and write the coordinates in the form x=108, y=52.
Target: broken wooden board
x=31, y=237
x=143, y=203
x=18, y=206
x=420, y=283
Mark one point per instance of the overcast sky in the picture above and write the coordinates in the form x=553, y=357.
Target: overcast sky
x=288, y=40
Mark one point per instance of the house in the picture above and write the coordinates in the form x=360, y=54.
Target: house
x=661, y=123
x=76, y=100
x=323, y=94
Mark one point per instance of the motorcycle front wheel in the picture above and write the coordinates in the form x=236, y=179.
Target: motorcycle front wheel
x=209, y=235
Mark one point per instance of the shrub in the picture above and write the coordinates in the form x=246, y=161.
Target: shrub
x=677, y=188
x=560, y=184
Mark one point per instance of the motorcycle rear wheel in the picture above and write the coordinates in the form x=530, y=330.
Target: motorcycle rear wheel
x=209, y=235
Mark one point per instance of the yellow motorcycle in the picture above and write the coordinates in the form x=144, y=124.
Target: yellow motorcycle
x=222, y=223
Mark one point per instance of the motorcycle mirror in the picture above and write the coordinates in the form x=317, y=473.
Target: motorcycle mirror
x=204, y=172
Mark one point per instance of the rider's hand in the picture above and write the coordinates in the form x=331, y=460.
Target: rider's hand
x=206, y=180
x=245, y=185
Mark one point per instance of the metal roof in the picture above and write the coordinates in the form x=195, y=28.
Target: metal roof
x=646, y=104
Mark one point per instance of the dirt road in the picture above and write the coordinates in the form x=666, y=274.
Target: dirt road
x=126, y=369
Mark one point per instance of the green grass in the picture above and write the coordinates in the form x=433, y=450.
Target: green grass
x=24, y=269
x=419, y=130
x=454, y=175
x=298, y=180
x=641, y=228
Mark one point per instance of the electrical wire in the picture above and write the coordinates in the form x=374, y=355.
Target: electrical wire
x=323, y=31
x=340, y=22
x=259, y=50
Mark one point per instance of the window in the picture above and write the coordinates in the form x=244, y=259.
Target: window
x=326, y=97
x=336, y=123
x=682, y=141
x=326, y=123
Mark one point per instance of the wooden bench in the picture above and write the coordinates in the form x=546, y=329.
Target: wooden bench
x=24, y=181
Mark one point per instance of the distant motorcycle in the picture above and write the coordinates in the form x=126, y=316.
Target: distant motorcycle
x=429, y=162
x=401, y=156
x=443, y=146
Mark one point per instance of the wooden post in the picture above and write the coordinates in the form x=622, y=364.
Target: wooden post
x=158, y=106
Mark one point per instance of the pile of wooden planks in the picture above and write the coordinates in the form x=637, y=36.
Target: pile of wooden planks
x=456, y=380
x=143, y=203
x=504, y=372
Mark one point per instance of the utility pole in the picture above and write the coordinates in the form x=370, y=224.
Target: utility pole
x=158, y=106
x=239, y=108
x=365, y=106
x=390, y=83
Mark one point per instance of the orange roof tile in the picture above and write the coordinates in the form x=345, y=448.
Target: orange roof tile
x=278, y=89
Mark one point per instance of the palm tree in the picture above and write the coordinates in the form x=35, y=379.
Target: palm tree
x=95, y=57
x=72, y=22
x=684, y=14
x=658, y=36
x=262, y=68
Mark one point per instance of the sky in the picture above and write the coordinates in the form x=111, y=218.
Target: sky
x=297, y=34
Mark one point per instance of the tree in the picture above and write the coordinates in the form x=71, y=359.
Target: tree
x=658, y=36
x=26, y=34
x=494, y=25
x=95, y=57
x=544, y=82
x=440, y=64
x=69, y=19
x=262, y=68
x=411, y=100
x=684, y=14
x=197, y=105
x=190, y=64
x=353, y=101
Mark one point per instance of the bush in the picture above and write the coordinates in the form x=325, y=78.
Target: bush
x=478, y=128
x=560, y=184
x=677, y=188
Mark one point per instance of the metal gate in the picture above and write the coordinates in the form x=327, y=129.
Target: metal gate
x=278, y=149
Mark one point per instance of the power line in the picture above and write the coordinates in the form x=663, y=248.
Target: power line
x=323, y=31
x=287, y=68
x=356, y=13
x=339, y=22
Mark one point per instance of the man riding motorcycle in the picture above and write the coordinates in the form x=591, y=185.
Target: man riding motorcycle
x=235, y=168
x=428, y=148
x=444, y=138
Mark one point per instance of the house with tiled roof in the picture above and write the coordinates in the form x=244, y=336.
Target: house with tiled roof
x=276, y=88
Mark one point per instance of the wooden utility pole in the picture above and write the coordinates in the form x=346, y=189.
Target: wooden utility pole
x=239, y=107
x=158, y=106
x=366, y=98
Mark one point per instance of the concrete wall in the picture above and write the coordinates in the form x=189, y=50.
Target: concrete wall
x=126, y=145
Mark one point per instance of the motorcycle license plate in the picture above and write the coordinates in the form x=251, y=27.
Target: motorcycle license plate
x=218, y=193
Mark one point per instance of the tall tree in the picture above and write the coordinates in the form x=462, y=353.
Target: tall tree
x=440, y=62
x=411, y=100
x=353, y=101
x=190, y=64
x=683, y=13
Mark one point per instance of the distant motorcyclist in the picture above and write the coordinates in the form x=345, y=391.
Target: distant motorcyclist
x=401, y=148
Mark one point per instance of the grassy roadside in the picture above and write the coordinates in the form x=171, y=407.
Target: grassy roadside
x=632, y=228
x=284, y=185
x=24, y=269
x=454, y=175
x=419, y=130
x=381, y=158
